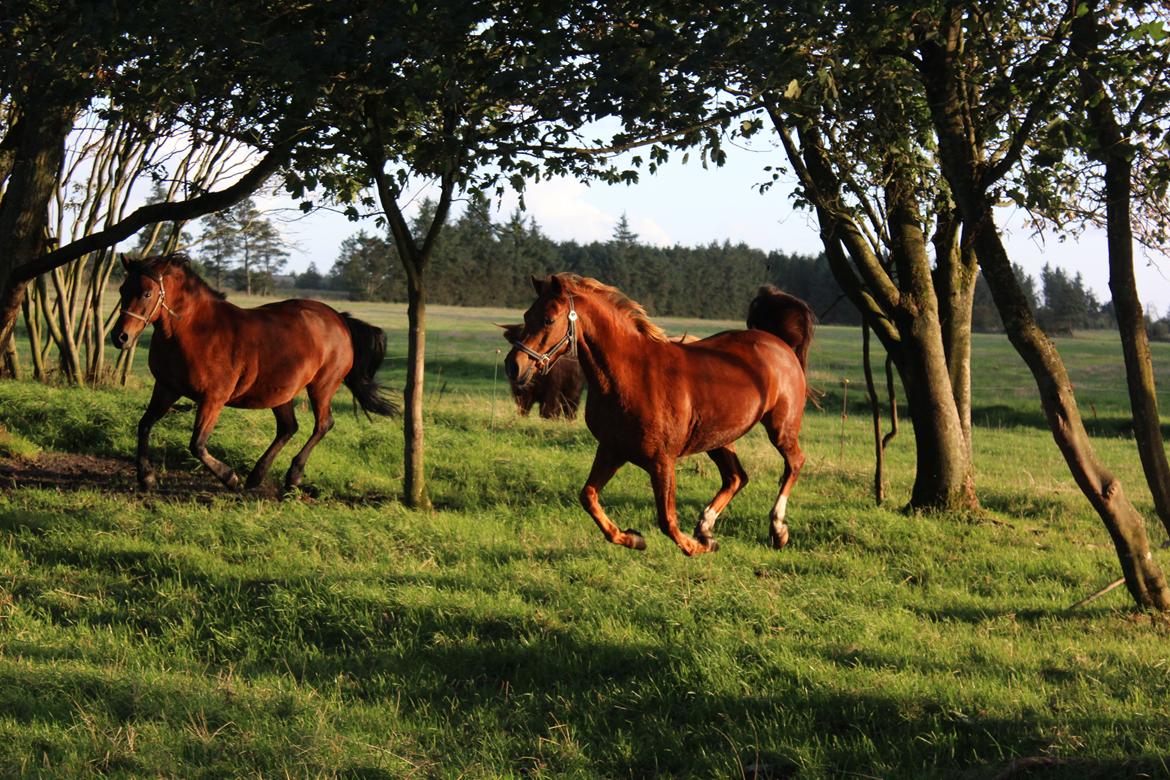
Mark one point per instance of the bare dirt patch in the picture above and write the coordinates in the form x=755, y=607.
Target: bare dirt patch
x=68, y=471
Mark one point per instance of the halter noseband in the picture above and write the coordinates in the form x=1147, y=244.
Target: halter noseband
x=162, y=295
x=546, y=360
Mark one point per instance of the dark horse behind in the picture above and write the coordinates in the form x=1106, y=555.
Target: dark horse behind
x=652, y=401
x=558, y=391
x=218, y=355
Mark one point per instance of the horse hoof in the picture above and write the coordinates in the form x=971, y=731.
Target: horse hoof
x=634, y=539
x=147, y=483
x=232, y=482
x=779, y=540
x=709, y=543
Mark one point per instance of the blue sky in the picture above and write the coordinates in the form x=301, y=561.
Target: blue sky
x=690, y=205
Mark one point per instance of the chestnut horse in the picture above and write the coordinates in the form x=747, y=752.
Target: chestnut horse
x=652, y=401
x=218, y=354
x=558, y=392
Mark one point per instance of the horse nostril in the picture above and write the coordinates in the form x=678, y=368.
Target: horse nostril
x=511, y=369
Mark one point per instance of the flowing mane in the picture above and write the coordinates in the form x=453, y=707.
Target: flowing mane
x=619, y=301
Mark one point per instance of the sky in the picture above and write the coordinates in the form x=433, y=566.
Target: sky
x=689, y=205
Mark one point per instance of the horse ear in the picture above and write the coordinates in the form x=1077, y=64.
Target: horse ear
x=538, y=283
x=511, y=332
x=125, y=260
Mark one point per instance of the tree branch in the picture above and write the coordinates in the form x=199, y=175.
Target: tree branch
x=163, y=212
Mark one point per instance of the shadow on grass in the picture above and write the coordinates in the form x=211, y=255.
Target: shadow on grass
x=568, y=703
x=551, y=690
x=996, y=416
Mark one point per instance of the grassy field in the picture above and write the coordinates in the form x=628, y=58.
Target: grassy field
x=198, y=632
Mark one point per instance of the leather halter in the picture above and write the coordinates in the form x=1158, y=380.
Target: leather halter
x=162, y=295
x=545, y=360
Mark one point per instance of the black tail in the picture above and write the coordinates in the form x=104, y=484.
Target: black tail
x=785, y=316
x=369, y=347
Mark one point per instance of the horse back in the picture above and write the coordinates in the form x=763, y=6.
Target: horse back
x=694, y=397
x=255, y=358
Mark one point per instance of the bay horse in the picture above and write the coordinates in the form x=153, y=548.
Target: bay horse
x=652, y=401
x=558, y=391
x=218, y=354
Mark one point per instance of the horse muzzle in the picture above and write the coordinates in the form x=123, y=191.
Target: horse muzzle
x=121, y=339
x=519, y=378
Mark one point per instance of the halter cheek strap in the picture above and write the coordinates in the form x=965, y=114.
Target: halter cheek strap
x=162, y=296
x=545, y=360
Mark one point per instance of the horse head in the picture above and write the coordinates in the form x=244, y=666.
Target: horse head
x=548, y=333
x=143, y=294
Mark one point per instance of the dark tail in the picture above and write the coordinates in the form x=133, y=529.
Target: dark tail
x=785, y=316
x=369, y=347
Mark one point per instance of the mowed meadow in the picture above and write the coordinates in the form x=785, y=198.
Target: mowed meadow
x=199, y=632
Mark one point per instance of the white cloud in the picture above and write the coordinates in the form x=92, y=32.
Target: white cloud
x=562, y=210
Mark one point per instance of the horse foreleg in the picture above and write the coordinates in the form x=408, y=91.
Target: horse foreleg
x=662, y=479
x=286, y=428
x=605, y=465
x=734, y=478
x=323, y=423
x=160, y=401
x=206, y=415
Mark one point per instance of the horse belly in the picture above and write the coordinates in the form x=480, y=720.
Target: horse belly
x=719, y=432
x=267, y=391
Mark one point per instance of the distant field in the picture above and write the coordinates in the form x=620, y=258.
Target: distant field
x=201, y=633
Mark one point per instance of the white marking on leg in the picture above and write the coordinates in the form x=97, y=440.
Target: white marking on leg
x=778, y=511
x=707, y=520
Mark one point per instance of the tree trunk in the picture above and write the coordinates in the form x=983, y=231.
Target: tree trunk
x=415, y=486
x=943, y=477
x=955, y=282
x=1113, y=151
x=875, y=410
x=10, y=308
x=904, y=315
x=11, y=366
x=39, y=143
x=963, y=165
x=1143, y=577
x=70, y=359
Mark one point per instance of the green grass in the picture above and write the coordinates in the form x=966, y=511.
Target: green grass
x=214, y=634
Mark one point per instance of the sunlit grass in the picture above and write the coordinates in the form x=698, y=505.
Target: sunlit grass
x=340, y=634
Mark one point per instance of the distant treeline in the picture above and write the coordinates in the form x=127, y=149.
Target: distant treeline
x=482, y=263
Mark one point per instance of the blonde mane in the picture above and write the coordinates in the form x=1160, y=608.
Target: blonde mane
x=618, y=300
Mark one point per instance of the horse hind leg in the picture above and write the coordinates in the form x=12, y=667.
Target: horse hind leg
x=734, y=478
x=784, y=439
x=322, y=403
x=286, y=428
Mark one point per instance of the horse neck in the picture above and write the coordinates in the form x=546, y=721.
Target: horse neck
x=609, y=345
x=191, y=305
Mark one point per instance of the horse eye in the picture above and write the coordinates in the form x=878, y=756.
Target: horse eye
x=548, y=320
x=146, y=294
